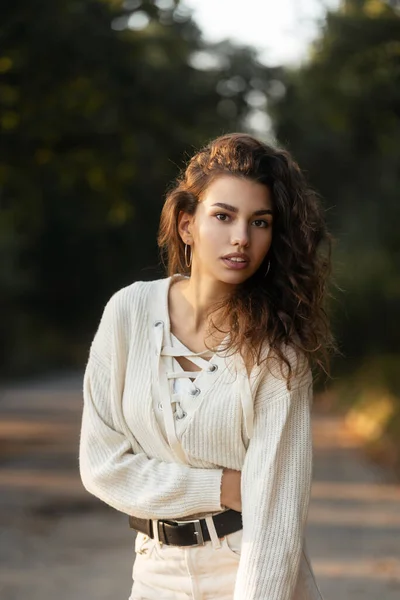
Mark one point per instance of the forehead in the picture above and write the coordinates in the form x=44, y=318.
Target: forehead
x=237, y=191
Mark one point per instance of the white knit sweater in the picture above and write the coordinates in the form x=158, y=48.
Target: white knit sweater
x=254, y=425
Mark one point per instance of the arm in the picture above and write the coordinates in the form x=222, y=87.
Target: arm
x=131, y=482
x=276, y=483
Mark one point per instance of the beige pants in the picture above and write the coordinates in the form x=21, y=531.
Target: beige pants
x=200, y=572
x=162, y=572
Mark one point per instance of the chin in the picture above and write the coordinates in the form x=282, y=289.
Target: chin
x=234, y=277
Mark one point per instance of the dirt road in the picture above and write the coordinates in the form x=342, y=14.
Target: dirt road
x=56, y=541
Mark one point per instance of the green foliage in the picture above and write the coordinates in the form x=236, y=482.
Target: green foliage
x=340, y=116
x=100, y=102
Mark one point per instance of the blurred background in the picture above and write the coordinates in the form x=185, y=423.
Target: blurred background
x=101, y=103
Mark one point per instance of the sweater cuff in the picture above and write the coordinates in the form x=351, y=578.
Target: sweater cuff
x=203, y=493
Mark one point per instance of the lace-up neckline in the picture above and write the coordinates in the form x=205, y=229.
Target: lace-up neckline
x=205, y=357
x=177, y=350
x=178, y=407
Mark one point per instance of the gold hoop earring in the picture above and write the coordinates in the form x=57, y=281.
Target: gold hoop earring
x=267, y=271
x=188, y=263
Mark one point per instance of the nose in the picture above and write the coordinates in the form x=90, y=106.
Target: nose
x=240, y=235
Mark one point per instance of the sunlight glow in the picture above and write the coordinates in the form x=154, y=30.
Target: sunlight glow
x=281, y=31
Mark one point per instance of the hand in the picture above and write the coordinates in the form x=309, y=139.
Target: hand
x=230, y=489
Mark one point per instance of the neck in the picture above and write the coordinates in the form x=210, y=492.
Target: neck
x=201, y=293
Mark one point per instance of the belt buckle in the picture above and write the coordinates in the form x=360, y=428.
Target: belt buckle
x=198, y=531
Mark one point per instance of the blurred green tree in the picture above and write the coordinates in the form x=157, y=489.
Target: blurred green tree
x=100, y=101
x=340, y=115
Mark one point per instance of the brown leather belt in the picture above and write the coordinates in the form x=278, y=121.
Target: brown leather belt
x=188, y=533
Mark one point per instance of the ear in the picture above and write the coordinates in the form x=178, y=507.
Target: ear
x=185, y=227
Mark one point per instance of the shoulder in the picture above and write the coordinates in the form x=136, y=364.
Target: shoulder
x=132, y=299
x=135, y=292
x=125, y=307
x=273, y=373
x=296, y=358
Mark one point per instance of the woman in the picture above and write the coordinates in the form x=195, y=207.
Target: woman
x=198, y=388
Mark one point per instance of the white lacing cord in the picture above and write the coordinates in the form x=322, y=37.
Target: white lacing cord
x=216, y=542
x=162, y=385
x=155, y=532
x=192, y=356
x=174, y=399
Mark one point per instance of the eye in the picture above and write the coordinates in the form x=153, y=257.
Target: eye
x=261, y=223
x=224, y=215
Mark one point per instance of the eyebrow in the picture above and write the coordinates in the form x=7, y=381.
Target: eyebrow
x=264, y=211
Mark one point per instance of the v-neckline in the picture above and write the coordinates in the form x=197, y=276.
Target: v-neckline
x=180, y=343
x=215, y=356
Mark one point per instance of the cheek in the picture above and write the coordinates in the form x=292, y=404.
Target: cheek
x=263, y=240
x=209, y=233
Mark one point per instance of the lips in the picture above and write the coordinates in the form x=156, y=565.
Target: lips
x=236, y=260
x=237, y=257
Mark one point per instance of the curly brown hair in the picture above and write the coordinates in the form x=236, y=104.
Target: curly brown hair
x=286, y=308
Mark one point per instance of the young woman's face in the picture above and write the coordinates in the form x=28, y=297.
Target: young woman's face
x=234, y=217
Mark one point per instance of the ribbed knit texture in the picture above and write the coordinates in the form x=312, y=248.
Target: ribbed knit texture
x=126, y=461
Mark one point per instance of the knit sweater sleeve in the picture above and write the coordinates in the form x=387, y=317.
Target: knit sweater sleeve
x=129, y=481
x=276, y=484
